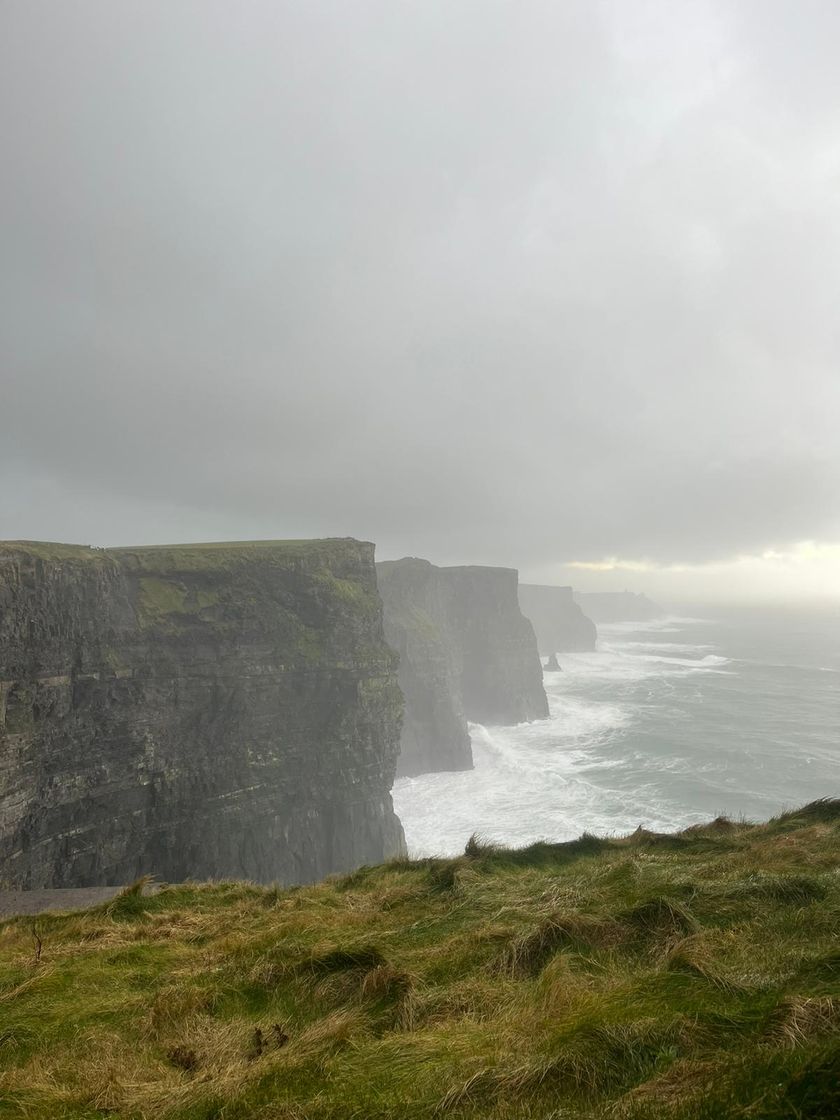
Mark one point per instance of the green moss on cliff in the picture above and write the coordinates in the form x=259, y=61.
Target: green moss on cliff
x=206, y=599
x=225, y=555
x=306, y=646
x=345, y=590
x=424, y=625
x=159, y=597
x=690, y=977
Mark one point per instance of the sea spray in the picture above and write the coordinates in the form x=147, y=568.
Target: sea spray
x=668, y=723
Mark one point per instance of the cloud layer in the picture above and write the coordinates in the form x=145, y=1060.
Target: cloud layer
x=506, y=282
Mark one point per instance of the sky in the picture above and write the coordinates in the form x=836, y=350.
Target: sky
x=553, y=285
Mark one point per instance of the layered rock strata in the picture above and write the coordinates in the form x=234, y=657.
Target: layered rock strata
x=466, y=653
x=559, y=623
x=196, y=711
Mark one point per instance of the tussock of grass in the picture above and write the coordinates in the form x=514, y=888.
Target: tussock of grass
x=719, y=826
x=444, y=876
x=795, y=890
x=528, y=954
x=173, y=1004
x=598, y=1061
x=361, y=958
x=664, y=1093
x=825, y=810
x=661, y=918
x=130, y=901
x=654, y=977
x=477, y=846
x=821, y=968
x=798, y=1019
x=695, y=956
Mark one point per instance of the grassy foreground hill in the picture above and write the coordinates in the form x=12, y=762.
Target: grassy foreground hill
x=694, y=975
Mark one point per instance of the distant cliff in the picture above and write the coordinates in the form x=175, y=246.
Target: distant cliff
x=196, y=711
x=501, y=680
x=466, y=653
x=417, y=606
x=559, y=623
x=618, y=606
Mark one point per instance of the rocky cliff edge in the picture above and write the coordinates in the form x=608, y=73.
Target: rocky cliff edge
x=195, y=711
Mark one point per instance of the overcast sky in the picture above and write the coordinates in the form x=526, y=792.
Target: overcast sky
x=528, y=283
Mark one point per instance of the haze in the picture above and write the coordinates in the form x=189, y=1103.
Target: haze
x=552, y=285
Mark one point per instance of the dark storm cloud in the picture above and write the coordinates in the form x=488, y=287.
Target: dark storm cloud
x=508, y=282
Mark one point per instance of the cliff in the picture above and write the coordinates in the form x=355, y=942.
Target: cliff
x=501, y=678
x=618, y=606
x=466, y=653
x=197, y=711
x=559, y=623
x=416, y=606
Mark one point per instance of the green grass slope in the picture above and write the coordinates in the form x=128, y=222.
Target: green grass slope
x=693, y=976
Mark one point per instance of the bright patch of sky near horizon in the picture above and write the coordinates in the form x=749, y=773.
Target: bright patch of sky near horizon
x=809, y=571
x=527, y=283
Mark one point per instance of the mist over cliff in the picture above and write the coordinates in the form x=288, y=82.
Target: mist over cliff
x=466, y=653
x=618, y=606
x=510, y=284
x=559, y=622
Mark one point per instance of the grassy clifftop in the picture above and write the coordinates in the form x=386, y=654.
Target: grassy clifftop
x=693, y=976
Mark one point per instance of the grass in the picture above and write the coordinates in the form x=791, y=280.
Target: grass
x=49, y=550
x=163, y=560
x=693, y=976
x=322, y=555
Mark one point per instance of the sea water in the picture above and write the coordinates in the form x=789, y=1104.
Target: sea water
x=667, y=724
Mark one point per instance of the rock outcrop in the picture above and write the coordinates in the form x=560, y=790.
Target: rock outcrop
x=466, y=653
x=197, y=711
x=619, y=606
x=552, y=665
x=559, y=622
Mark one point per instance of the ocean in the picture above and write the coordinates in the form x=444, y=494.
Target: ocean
x=667, y=724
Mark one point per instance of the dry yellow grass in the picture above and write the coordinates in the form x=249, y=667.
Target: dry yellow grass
x=691, y=977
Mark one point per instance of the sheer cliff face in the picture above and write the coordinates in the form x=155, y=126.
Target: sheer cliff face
x=417, y=610
x=501, y=680
x=559, y=623
x=466, y=653
x=201, y=711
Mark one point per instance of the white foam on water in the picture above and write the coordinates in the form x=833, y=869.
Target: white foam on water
x=532, y=781
x=615, y=662
x=513, y=800
x=669, y=624
x=610, y=758
x=665, y=647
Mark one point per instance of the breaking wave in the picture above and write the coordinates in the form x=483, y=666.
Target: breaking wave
x=662, y=726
